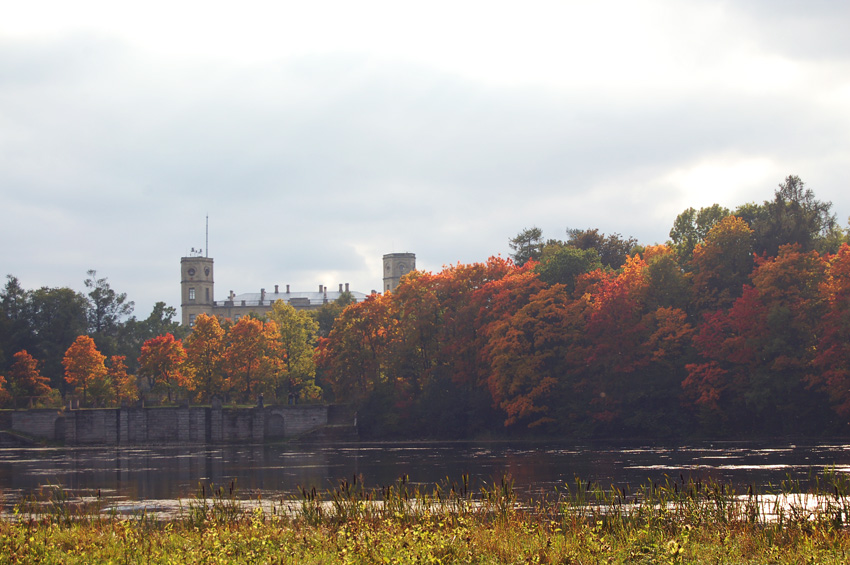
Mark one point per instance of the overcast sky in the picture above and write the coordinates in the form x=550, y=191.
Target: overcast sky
x=320, y=135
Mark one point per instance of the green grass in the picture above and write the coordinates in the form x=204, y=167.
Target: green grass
x=672, y=522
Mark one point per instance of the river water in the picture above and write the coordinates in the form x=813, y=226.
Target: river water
x=275, y=471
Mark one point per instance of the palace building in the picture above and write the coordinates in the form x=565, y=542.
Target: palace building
x=197, y=286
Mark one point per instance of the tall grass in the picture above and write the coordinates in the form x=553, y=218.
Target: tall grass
x=668, y=521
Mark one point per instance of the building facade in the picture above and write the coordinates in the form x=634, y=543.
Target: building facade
x=197, y=291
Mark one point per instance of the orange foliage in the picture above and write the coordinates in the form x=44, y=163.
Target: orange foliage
x=205, y=357
x=251, y=357
x=831, y=362
x=5, y=396
x=85, y=369
x=161, y=362
x=125, y=389
x=25, y=379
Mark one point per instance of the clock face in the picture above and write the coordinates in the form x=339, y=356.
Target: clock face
x=402, y=268
x=388, y=267
x=191, y=271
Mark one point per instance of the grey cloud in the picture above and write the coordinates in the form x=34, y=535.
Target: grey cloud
x=299, y=162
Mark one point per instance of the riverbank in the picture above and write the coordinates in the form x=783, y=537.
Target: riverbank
x=422, y=541
x=448, y=523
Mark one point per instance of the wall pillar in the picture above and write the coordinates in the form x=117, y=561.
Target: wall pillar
x=216, y=421
x=258, y=425
x=123, y=426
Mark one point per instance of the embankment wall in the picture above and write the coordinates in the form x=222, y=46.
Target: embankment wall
x=169, y=425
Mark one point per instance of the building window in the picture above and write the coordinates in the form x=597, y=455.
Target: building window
x=208, y=294
x=192, y=294
x=191, y=320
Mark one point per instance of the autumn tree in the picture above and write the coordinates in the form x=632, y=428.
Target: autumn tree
x=447, y=395
x=633, y=357
x=5, y=395
x=251, y=359
x=161, y=363
x=755, y=356
x=205, y=357
x=25, y=379
x=532, y=354
x=85, y=370
x=353, y=355
x=124, y=386
x=830, y=371
x=412, y=360
x=296, y=370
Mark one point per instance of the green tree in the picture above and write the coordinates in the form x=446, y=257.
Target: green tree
x=327, y=314
x=107, y=311
x=15, y=327
x=613, y=250
x=668, y=284
x=565, y=264
x=297, y=370
x=691, y=227
x=527, y=245
x=57, y=316
x=721, y=265
x=794, y=216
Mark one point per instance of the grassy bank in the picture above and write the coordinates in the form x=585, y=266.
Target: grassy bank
x=675, y=522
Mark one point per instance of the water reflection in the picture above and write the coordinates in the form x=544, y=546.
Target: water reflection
x=138, y=474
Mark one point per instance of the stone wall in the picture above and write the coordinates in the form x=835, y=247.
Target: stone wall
x=47, y=423
x=168, y=425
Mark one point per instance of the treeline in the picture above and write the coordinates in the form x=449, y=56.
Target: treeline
x=56, y=343
x=37, y=327
x=739, y=325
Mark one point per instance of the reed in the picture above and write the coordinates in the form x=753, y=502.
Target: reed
x=672, y=520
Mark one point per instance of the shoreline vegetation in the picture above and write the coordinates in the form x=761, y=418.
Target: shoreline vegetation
x=670, y=521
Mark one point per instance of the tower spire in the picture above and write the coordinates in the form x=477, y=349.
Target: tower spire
x=207, y=242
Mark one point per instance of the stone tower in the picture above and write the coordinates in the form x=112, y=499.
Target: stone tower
x=196, y=288
x=395, y=266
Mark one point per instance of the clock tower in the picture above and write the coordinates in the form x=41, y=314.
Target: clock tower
x=196, y=287
x=396, y=265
